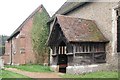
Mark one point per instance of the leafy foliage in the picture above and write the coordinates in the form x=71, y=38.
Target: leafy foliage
x=3, y=38
x=40, y=35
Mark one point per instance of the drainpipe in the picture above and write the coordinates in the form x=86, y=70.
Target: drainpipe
x=11, y=54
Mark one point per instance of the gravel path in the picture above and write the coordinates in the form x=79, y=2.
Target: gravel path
x=35, y=74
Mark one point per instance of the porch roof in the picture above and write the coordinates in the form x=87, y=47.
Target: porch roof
x=78, y=30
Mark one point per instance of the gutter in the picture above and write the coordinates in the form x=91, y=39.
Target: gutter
x=13, y=35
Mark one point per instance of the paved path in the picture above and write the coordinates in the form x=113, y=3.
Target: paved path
x=35, y=74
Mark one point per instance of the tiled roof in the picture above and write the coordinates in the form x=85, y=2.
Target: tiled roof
x=20, y=27
x=79, y=30
x=66, y=8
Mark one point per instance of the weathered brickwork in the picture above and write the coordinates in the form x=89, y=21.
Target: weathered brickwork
x=21, y=42
x=7, y=55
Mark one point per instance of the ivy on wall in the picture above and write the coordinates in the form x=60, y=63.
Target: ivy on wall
x=39, y=35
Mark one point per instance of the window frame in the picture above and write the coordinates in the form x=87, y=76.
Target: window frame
x=92, y=50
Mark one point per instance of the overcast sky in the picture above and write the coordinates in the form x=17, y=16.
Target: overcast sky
x=14, y=12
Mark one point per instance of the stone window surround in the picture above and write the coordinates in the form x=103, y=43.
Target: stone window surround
x=114, y=29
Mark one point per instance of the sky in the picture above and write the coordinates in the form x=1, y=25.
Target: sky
x=14, y=12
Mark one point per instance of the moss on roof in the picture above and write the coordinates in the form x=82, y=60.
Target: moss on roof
x=78, y=30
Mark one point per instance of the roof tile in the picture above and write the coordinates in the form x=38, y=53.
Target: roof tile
x=80, y=30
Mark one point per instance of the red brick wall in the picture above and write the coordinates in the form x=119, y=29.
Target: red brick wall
x=24, y=42
x=27, y=42
x=6, y=56
x=18, y=58
x=21, y=41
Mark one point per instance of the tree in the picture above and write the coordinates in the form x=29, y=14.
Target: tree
x=40, y=34
x=3, y=38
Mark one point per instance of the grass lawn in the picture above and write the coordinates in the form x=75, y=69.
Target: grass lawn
x=9, y=74
x=102, y=74
x=32, y=68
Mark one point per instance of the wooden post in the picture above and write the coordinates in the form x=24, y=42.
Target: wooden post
x=65, y=49
x=81, y=48
x=59, y=49
x=93, y=58
x=93, y=48
x=74, y=50
x=84, y=48
x=88, y=48
x=51, y=60
x=55, y=51
x=62, y=49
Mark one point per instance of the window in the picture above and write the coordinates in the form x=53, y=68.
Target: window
x=89, y=48
x=118, y=34
x=91, y=52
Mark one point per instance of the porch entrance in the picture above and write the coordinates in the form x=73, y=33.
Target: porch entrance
x=62, y=58
x=62, y=62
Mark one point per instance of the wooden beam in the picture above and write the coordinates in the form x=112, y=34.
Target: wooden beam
x=62, y=50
